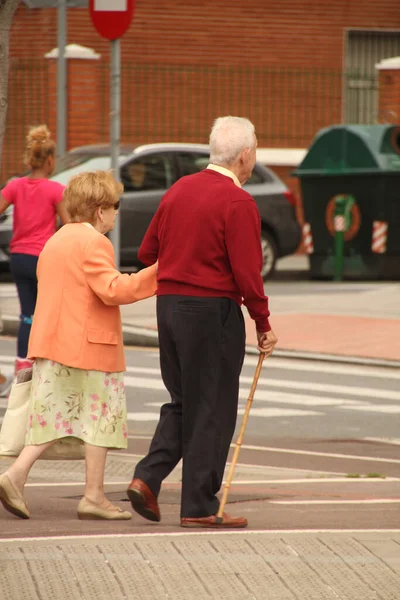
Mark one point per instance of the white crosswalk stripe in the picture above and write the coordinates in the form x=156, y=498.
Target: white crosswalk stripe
x=294, y=403
x=308, y=386
x=285, y=397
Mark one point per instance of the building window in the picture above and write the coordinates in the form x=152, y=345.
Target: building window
x=363, y=50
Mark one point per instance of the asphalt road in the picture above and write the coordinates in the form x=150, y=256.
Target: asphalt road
x=321, y=449
x=295, y=399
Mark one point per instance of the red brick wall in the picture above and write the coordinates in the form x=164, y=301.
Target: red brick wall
x=232, y=37
x=284, y=32
x=389, y=94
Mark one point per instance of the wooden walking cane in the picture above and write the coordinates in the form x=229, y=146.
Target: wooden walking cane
x=239, y=440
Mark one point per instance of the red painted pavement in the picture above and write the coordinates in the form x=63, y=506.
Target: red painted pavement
x=330, y=334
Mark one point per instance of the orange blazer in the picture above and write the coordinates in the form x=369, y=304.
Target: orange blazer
x=77, y=319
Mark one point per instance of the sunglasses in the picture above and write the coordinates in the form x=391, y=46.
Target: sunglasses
x=115, y=206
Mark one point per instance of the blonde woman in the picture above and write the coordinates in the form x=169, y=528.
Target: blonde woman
x=76, y=343
x=36, y=203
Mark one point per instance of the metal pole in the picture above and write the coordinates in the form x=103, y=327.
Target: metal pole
x=61, y=78
x=339, y=247
x=115, y=127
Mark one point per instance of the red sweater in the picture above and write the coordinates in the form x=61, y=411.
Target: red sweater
x=206, y=237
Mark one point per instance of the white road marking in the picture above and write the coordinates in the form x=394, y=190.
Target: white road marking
x=271, y=396
x=290, y=364
x=143, y=416
x=394, y=441
x=359, y=501
x=302, y=399
x=6, y=358
x=246, y=465
x=197, y=533
x=324, y=367
x=313, y=453
x=329, y=388
x=303, y=385
x=279, y=412
x=144, y=383
x=234, y=483
x=381, y=408
x=72, y=483
x=157, y=384
x=256, y=412
x=289, y=451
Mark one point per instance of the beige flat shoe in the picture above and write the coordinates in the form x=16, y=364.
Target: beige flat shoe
x=88, y=510
x=12, y=499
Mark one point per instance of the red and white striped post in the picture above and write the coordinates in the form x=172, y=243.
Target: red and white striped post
x=379, y=237
x=307, y=238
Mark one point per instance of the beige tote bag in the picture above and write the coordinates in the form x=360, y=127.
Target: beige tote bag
x=13, y=430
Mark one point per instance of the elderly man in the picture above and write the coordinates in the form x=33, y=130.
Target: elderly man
x=206, y=237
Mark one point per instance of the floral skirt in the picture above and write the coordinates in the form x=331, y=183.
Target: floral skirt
x=70, y=402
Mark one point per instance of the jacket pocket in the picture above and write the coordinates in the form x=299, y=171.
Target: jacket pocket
x=100, y=336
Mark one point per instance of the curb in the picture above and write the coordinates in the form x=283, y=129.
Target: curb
x=144, y=337
x=335, y=358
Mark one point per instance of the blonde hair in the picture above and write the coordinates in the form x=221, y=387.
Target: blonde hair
x=39, y=146
x=86, y=192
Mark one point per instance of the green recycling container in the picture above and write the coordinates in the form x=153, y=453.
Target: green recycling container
x=362, y=162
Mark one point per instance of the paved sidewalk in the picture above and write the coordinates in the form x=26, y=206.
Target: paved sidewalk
x=342, y=320
x=53, y=556
x=257, y=566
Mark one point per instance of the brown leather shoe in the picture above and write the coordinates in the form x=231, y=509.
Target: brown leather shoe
x=143, y=500
x=228, y=522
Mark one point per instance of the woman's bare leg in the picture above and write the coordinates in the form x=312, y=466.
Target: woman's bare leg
x=19, y=470
x=95, y=463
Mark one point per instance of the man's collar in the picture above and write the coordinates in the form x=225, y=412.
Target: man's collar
x=225, y=172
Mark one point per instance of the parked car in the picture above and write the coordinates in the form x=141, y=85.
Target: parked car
x=148, y=171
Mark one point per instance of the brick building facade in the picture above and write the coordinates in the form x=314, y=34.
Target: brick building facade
x=283, y=64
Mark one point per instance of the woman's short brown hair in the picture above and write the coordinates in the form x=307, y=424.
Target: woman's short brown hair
x=39, y=146
x=88, y=191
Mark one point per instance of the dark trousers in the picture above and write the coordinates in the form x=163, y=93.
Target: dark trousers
x=202, y=343
x=23, y=269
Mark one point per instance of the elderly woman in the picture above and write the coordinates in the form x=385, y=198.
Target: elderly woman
x=76, y=343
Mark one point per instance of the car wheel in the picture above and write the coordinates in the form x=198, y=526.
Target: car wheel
x=269, y=254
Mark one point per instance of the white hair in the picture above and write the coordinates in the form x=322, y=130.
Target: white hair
x=229, y=137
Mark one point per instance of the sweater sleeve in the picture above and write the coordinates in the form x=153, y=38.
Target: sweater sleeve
x=242, y=239
x=111, y=286
x=148, y=251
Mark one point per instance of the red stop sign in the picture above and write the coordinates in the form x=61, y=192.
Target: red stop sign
x=111, y=18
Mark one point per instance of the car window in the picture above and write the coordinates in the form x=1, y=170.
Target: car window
x=69, y=161
x=99, y=163
x=191, y=162
x=257, y=177
x=147, y=173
